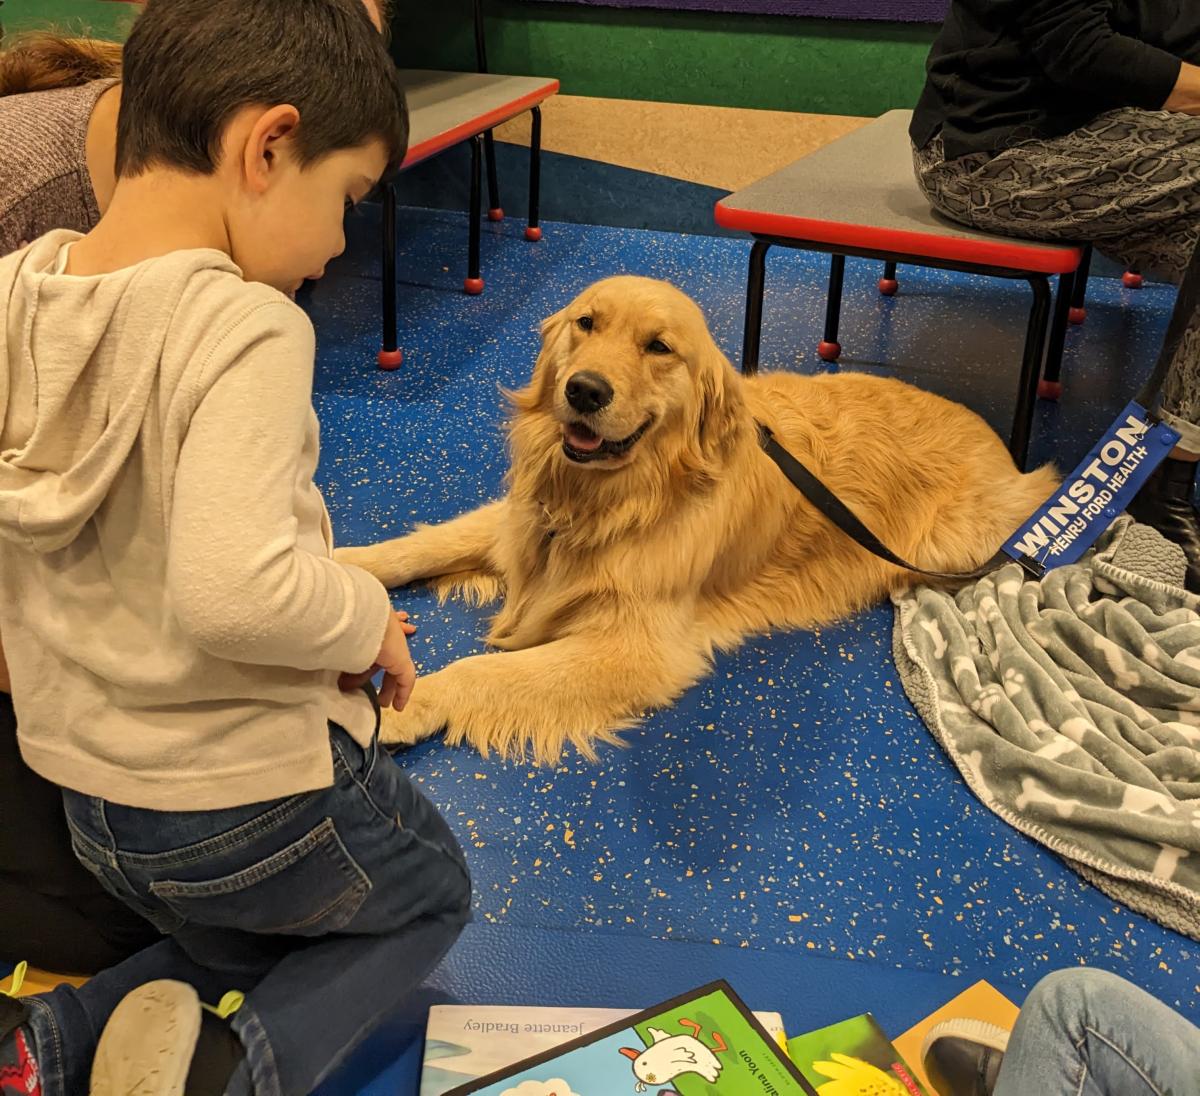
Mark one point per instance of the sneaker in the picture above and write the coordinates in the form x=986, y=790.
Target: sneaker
x=962, y=1057
x=148, y=1042
x=18, y=1067
x=12, y=1012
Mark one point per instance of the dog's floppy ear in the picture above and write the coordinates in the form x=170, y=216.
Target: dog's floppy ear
x=552, y=327
x=538, y=392
x=720, y=405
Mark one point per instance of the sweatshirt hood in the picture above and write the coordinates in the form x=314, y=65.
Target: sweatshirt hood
x=79, y=366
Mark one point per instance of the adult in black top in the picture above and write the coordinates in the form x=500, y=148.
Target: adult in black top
x=1079, y=120
x=1004, y=70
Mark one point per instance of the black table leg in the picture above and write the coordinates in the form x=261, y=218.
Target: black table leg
x=888, y=284
x=1078, y=311
x=390, y=355
x=1050, y=386
x=480, y=37
x=754, y=306
x=495, y=210
x=473, y=283
x=533, y=230
x=1035, y=342
x=830, y=349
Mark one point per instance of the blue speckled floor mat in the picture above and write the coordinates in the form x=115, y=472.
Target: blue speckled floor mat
x=791, y=807
x=792, y=800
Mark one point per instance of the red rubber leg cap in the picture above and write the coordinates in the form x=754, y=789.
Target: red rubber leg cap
x=473, y=286
x=829, y=351
x=390, y=359
x=496, y=214
x=1076, y=316
x=1130, y=280
x=533, y=233
x=1049, y=390
x=888, y=286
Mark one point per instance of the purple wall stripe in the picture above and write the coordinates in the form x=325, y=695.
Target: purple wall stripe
x=909, y=11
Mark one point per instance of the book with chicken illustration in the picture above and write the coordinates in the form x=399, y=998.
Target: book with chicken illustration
x=705, y=1043
x=853, y=1058
x=466, y=1042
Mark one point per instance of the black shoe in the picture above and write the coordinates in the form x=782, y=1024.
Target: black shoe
x=1165, y=503
x=13, y=1011
x=18, y=1067
x=962, y=1057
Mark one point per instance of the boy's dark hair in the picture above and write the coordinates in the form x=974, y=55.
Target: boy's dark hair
x=189, y=65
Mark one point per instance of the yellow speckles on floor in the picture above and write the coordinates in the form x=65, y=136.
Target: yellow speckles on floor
x=791, y=800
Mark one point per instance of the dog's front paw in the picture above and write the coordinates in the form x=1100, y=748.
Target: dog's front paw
x=423, y=716
x=451, y=701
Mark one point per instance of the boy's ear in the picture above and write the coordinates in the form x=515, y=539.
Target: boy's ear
x=268, y=130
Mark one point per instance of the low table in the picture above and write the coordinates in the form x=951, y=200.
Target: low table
x=445, y=109
x=858, y=196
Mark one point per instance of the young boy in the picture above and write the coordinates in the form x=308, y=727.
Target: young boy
x=185, y=654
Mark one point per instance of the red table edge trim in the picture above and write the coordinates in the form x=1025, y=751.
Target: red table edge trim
x=1010, y=256
x=433, y=145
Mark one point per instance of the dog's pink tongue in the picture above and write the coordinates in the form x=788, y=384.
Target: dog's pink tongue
x=581, y=438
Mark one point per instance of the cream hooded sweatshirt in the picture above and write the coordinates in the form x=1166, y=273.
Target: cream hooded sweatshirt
x=173, y=619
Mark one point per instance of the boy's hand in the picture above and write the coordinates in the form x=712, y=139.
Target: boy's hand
x=399, y=673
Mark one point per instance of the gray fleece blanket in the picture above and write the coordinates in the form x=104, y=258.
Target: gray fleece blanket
x=1071, y=706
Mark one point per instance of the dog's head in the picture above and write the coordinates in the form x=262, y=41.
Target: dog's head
x=628, y=372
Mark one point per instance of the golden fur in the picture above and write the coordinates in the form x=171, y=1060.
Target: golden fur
x=620, y=577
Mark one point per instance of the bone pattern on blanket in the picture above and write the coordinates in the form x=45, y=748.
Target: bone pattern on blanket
x=622, y=569
x=1090, y=750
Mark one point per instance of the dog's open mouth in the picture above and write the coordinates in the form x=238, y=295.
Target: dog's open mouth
x=581, y=443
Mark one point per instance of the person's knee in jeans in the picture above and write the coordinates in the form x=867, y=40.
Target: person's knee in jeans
x=1065, y=999
x=1076, y=1026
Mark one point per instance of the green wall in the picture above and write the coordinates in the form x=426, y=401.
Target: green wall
x=815, y=65
x=103, y=19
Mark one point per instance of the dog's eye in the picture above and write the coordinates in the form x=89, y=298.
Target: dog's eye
x=658, y=347
x=584, y=323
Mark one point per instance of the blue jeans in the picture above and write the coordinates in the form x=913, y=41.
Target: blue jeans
x=1089, y=1033
x=326, y=909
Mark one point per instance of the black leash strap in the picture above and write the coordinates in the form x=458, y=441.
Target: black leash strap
x=845, y=519
x=1187, y=306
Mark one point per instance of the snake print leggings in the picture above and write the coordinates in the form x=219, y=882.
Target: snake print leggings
x=1127, y=182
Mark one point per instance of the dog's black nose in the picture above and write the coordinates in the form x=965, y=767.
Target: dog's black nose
x=588, y=392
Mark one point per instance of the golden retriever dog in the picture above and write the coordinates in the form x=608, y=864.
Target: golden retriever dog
x=644, y=526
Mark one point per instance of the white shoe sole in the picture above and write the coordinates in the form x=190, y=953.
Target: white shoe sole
x=975, y=1031
x=148, y=1042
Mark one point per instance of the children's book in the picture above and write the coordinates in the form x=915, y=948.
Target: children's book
x=704, y=1043
x=466, y=1042
x=978, y=1002
x=853, y=1057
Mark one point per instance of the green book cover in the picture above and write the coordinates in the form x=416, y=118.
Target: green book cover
x=705, y=1043
x=853, y=1058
